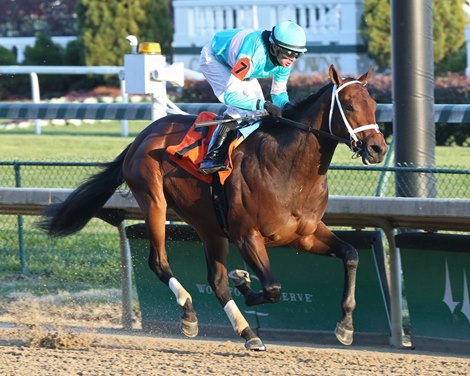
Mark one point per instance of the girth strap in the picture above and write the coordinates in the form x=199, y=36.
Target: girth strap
x=219, y=200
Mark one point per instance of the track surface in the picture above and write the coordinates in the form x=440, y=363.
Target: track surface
x=80, y=335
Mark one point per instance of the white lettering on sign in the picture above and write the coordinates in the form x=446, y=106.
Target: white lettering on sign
x=294, y=297
x=205, y=289
x=315, y=63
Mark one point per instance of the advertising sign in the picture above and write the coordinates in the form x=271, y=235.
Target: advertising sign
x=312, y=286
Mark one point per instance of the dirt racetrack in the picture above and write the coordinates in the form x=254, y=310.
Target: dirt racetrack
x=70, y=335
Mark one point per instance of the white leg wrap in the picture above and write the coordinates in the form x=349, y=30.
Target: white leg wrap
x=181, y=294
x=235, y=316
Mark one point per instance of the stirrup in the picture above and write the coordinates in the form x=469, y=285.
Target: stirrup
x=210, y=167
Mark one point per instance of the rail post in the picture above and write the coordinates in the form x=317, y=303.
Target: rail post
x=21, y=248
x=126, y=277
x=36, y=96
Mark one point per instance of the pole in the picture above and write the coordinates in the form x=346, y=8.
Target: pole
x=21, y=247
x=396, y=319
x=126, y=278
x=413, y=95
x=125, y=100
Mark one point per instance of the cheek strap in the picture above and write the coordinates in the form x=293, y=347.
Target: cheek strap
x=335, y=99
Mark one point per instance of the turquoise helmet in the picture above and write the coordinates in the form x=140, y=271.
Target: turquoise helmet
x=289, y=35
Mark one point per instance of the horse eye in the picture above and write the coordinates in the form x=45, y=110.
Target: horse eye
x=348, y=107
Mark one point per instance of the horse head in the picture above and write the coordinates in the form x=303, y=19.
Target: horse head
x=352, y=115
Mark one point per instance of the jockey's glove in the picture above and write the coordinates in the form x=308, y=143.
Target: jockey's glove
x=272, y=109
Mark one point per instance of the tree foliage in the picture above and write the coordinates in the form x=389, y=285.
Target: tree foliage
x=44, y=52
x=104, y=25
x=6, y=81
x=158, y=26
x=6, y=56
x=449, y=20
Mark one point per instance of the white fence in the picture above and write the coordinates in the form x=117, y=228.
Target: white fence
x=443, y=113
x=33, y=71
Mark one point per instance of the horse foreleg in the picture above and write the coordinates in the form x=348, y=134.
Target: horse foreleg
x=254, y=252
x=216, y=250
x=344, y=329
x=324, y=242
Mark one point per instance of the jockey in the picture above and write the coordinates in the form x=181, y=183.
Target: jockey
x=233, y=61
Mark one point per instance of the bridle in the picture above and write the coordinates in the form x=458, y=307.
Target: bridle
x=354, y=143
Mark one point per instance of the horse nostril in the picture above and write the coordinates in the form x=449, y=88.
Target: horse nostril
x=375, y=149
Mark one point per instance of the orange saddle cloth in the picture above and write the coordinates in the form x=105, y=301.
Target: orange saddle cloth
x=189, y=153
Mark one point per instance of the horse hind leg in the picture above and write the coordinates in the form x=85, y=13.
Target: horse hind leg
x=154, y=210
x=158, y=262
x=216, y=250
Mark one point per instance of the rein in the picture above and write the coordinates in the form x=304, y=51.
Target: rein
x=317, y=132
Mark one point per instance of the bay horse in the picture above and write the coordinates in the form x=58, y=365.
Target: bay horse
x=277, y=195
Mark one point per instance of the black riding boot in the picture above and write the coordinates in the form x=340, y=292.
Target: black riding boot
x=217, y=153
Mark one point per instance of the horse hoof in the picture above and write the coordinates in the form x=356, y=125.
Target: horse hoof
x=255, y=344
x=189, y=328
x=345, y=336
x=239, y=277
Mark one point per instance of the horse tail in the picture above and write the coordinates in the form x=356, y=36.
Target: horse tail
x=71, y=215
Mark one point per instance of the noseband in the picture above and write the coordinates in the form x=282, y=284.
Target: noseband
x=355, y=143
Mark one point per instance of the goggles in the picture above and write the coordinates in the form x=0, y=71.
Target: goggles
x=288, y=54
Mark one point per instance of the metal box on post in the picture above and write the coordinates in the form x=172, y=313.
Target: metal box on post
x=138, y=70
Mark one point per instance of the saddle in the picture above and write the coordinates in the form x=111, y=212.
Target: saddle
x=189, y=153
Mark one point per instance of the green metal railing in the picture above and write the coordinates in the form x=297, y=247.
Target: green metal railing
x=344, y=180
x=20, y=238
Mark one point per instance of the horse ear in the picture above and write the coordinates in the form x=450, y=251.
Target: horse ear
x=335, y=75
x=366, y=76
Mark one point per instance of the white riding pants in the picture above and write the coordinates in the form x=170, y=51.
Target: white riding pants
x=220, y=78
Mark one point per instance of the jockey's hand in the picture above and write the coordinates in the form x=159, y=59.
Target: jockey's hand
x=287, y=106
x=272, y=109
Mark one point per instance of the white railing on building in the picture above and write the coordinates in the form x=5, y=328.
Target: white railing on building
x=325, y=22
x=332, y=28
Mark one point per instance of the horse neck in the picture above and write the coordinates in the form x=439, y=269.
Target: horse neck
x=319, y=147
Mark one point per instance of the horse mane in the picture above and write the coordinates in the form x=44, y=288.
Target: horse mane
x=293, y=109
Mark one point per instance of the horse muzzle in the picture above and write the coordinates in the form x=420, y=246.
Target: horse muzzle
x=372, y=150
